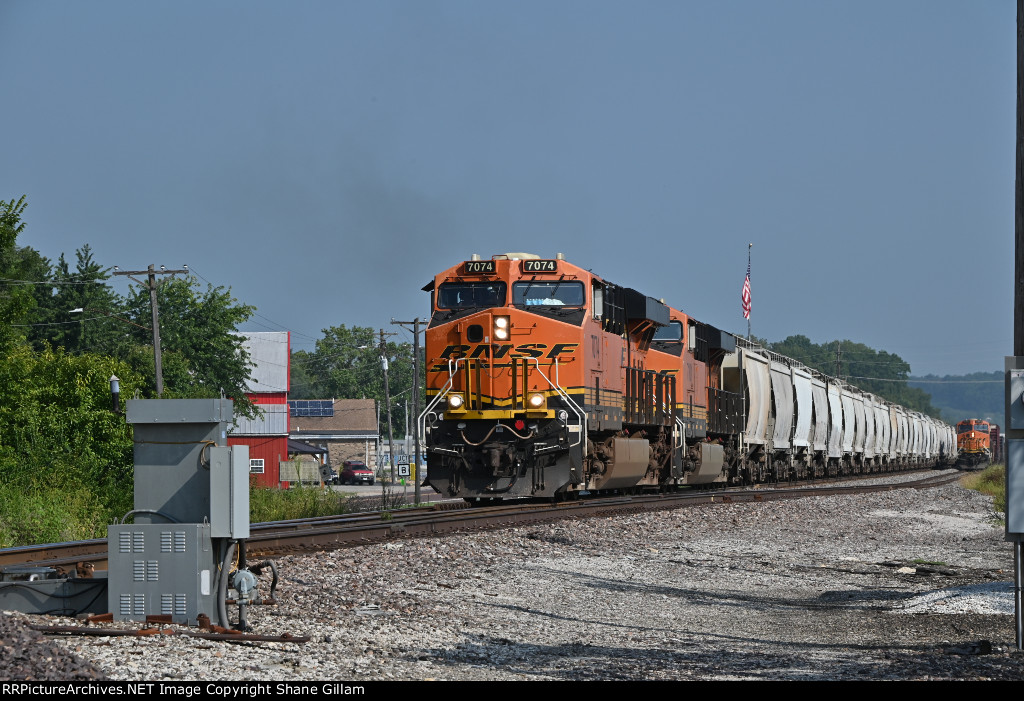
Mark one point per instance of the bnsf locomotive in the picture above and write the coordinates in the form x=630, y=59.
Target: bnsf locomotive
x=973, y=443
x=545, y=380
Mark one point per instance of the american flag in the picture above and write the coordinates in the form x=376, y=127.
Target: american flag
x=745, y=296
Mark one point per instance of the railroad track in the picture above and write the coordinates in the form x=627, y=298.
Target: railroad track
x=311, y=534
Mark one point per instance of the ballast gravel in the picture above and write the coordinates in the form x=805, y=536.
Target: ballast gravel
x=905, y=584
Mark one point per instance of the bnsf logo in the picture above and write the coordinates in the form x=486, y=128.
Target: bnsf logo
x=507, y=350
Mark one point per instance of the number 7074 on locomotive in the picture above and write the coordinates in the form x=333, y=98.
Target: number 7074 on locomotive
x=546, y=380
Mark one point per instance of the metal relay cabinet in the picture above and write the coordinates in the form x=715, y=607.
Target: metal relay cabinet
x=161, y=569
x=191, y=501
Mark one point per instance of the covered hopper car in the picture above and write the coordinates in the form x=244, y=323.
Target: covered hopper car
x=546, y=380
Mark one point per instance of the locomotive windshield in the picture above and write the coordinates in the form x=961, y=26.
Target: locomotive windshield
x=548, y=293
x=672, y=332
x=468, y=295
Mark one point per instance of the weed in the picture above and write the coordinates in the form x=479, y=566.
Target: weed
x=990, y=481
x=298, y=502
x=48, y=514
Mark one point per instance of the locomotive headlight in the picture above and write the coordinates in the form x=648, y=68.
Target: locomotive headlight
x=536, y=400
x=501, y=324
x=456, y=401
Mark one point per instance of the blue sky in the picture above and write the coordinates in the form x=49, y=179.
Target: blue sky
x=325, y=159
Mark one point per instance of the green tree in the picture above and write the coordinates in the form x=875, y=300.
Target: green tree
x=202, y=352
x=346, y=364
x=65, y=456
x=18, y=267
x=878, y=372
x=79, y=311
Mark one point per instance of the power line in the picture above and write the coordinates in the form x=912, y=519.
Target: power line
x=911, y=379
x=51, y=283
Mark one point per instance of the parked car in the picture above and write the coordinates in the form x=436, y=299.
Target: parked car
x=356, y=472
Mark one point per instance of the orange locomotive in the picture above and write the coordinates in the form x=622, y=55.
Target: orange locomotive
x=972, y=443
x=545, y=380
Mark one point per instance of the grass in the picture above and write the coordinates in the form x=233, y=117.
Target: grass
x=304, y=501
x=50, y=514
x=299, y=502
x=990, y=481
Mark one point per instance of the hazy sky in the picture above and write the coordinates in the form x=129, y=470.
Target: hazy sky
x=326, y=159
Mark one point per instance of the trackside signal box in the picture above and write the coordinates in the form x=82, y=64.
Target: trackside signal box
x=191, y=500
x=1014, y=449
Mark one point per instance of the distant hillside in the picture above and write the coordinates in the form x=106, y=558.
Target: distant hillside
x=979, y=395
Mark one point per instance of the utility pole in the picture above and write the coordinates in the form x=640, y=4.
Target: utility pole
x=1015, y=363
x=415, y=400
x=387, y=400
x=1018, y=285
x=151, y=284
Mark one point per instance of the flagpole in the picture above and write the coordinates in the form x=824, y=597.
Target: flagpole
x=748, y=277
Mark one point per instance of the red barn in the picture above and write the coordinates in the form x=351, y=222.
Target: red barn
x=267, y=437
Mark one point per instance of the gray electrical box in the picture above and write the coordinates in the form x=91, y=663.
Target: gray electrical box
x=191, y=499
x=1015, y=397
x=173, y=439
x=229, y=492
x=162, y=569
x=1014, y=448
x=1014, y=486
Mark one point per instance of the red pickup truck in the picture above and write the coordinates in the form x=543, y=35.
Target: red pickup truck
x=356, y=472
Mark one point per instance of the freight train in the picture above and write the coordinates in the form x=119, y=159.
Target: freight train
x=545, y=380
x=973, y=443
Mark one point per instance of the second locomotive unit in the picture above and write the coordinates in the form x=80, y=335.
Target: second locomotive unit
x=545, y=380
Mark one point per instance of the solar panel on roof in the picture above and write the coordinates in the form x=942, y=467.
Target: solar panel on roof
x=311, y=407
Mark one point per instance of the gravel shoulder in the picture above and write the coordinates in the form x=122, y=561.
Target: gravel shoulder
x=895, y=585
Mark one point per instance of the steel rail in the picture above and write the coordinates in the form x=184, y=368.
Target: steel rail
x=311, y=534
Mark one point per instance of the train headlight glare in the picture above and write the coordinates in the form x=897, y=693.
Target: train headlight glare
x=455, y=401
x=501, y=328
x=536, y=400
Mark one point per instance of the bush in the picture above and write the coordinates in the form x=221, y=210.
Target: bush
x=49, y=515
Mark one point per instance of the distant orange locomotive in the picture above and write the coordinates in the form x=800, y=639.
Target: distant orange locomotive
x=546, y=380
x=973, y=443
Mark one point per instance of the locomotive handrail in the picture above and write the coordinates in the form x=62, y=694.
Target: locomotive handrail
x=580, y=414
x=439, y=396
x=677, y=439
